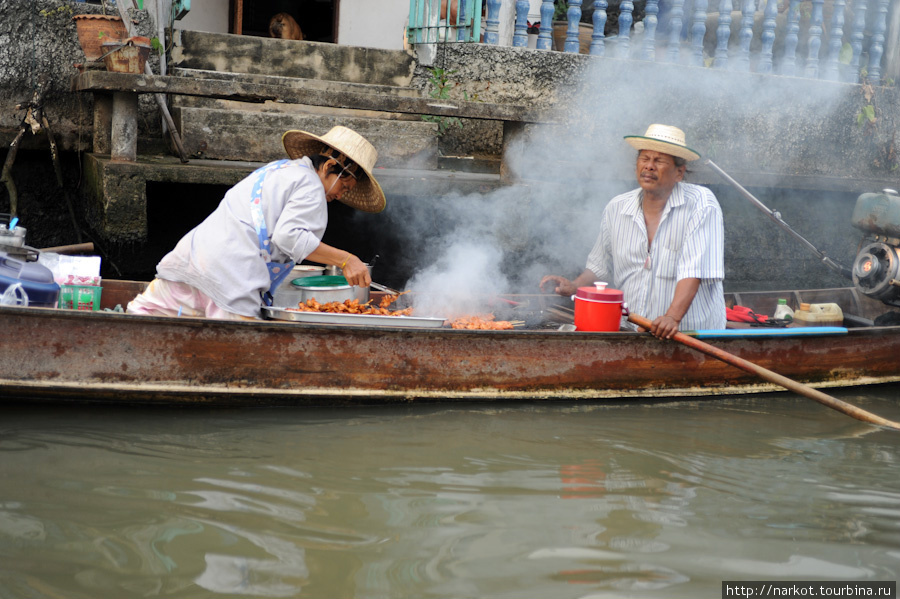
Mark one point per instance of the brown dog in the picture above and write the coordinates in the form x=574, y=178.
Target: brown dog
x=285, y=27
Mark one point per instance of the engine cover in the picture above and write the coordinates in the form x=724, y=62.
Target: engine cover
x=876, y=270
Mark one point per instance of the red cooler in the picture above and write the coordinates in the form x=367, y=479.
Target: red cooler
x=598, y=308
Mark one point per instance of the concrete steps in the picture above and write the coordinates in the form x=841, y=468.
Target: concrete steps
x=255, y=136
x=220, y=129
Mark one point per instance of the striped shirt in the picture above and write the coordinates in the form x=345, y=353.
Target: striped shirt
x=689, y=243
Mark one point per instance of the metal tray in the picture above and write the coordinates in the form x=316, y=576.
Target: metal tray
x=357, y=319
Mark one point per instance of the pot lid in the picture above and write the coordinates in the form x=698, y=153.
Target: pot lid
x=599, y=293
x=323, y=282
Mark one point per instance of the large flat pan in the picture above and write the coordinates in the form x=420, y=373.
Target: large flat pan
x=370, y=320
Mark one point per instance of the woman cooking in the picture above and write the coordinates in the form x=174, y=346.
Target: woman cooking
x=229, y=265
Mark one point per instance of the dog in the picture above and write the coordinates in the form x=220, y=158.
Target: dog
x=284, y=26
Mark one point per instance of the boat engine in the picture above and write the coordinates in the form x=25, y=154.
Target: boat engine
x=876, y=270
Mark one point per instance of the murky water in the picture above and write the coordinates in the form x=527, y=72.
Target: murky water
x=486, y=501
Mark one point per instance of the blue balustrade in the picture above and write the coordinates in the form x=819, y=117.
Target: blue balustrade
x=573, y=43
x=698, y=30
x=789, y=65
x=690, y=31
x=835, y=42
x=520, y=37
x=599, y=19
x=768, y=36
x=676, y=22
x=626, y=18
x=876, y=48
x=723, y=32
x=492, y=27
x=545, y=35
x=857, y=35
x=650, y=21
x=815, y=39
x=462, y=28
x=746, y=34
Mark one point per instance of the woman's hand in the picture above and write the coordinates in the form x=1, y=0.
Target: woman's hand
x=356, y=272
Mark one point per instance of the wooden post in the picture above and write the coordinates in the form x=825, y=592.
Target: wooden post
x=103, y=106
x=123, y=132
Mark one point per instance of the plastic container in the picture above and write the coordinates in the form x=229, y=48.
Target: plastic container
x=598, y=308
x=80, y=297
x=36, y=280
x=819, y=315
x=783, y=311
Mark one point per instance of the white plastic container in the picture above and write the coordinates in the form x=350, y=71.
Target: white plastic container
x=783, y=311
x=819, y=315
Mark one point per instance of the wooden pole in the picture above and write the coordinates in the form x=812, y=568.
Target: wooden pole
x=160, y=98
x=75, y=248
x=774, y=377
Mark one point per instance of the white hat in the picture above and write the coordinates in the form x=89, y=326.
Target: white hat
x=665, y=139
x=366, y=195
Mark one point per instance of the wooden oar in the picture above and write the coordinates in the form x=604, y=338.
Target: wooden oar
x=774, y=377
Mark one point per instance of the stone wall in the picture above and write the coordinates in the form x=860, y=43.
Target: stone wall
x=39, y=39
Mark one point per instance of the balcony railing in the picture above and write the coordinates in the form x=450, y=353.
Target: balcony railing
x=838, y=40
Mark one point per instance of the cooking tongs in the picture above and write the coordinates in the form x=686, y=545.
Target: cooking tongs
x=381, y=287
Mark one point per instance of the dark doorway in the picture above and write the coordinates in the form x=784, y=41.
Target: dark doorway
x=317, y=18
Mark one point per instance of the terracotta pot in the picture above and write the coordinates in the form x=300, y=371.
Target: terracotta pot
x=585, y=35
x=93, y=30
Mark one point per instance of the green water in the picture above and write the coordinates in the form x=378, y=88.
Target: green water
x=487, y=501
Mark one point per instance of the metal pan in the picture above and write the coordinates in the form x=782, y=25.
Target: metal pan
x=369, y=320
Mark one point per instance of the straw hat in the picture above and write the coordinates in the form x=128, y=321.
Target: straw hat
x=366, y=195
x=665, y=139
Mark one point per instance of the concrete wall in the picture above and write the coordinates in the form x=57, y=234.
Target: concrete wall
x=205, y=15
x=373, y=24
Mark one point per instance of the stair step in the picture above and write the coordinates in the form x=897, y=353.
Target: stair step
x=255, y=136
x=226, y=52
x=302, y=83
x=284, y=108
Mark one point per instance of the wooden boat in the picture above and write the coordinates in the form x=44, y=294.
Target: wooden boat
x=51, y=354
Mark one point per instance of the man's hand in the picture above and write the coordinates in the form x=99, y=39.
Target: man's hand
x=562, y=285
x=664, y=327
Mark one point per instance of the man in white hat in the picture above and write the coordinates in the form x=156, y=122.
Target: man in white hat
x=662, y=244
x=229, y=265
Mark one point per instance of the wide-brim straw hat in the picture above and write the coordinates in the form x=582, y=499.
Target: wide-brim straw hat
x=665, y=139
x=366, y=195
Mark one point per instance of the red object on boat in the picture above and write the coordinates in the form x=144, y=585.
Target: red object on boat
x=598, y=308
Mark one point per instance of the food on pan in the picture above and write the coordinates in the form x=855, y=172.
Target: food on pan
x=352, y=306
x=481, y=321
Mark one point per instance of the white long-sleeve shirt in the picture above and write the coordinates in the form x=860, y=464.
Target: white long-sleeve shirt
x=221, y=256
x=689, y=243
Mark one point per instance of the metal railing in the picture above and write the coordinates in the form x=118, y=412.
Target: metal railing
x=433, y=21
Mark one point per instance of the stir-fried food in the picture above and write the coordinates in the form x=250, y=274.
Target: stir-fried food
x=481, y=322
x=352, y=306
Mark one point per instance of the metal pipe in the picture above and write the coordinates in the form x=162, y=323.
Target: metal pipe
x=776, y=217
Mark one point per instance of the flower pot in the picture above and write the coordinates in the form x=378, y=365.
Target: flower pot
x=126, y=56
x=93, y=30
x=585, y=34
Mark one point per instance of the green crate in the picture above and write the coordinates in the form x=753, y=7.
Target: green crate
x=80, y=297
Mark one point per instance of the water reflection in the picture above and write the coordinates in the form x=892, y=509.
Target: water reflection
x=643, y=500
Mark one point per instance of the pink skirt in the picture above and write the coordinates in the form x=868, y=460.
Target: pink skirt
x=168, y=298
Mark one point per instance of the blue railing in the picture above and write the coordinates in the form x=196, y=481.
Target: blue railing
x=432, y=21
x=798, y=41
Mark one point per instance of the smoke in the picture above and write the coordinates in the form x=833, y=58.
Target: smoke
x=471, y=247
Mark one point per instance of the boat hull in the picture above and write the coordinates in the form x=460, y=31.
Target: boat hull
x=53, y=354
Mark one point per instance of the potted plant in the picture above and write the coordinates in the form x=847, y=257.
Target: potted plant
x=93, y=30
